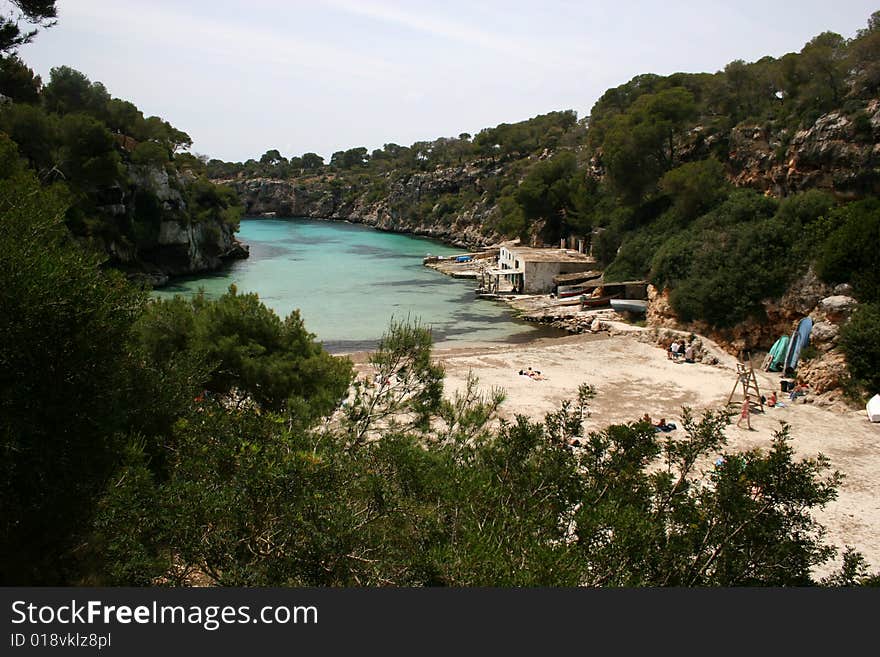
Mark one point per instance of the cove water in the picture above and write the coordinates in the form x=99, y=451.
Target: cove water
x=349, y=281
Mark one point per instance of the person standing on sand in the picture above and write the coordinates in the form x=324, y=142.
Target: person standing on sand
x=745, y=414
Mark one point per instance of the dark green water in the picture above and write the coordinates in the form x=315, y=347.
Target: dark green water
x=349, y=281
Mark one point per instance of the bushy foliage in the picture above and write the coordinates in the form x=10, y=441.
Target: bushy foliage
x=456, y=502
x=64, y=381
x=860, y=342
x=695, y=187
x=251, y=351
x=850, y=254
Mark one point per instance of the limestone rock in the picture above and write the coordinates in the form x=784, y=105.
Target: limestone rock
x=837, y=307
x=660, y=312
x=824, y=335
x=824, y=373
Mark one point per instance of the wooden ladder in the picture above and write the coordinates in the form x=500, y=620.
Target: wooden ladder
x=745, y=377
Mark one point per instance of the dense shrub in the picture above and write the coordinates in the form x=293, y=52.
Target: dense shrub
x=850, y=254
x=860, y=341
x=730, y=272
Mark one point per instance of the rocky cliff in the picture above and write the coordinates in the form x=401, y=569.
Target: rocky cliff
x=404, y=204
x=839, y=153
x=162, y=237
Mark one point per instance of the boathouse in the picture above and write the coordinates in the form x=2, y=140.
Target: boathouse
x=531, y=270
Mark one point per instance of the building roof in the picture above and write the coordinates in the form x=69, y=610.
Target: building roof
x=527, y=254
x=576, y=277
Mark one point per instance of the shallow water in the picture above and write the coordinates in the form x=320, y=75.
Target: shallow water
x=349, y=281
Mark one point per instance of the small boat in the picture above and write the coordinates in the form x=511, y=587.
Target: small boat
x=873, y=408
x=564, y=291
x=637, y=306
x=596, y=302
x=799, y=339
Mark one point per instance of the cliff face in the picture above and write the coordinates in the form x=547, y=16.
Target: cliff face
x=168, y=242
x=838, y=153
x=396, y=204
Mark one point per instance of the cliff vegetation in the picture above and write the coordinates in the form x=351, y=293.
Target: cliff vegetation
x=135, y=194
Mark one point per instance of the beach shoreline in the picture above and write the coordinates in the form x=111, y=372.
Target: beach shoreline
x=633, y=376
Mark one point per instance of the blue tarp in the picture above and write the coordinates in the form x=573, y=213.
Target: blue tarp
x=463, y=259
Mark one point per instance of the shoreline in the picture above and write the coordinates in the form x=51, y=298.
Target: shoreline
x=633, y=376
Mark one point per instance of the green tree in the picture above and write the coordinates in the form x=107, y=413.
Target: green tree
x=17, y=81
x=860, y=342
x=149, y=153
x=312, y=161
x=275, y=362
x=70, y=91
x=823, y=61
x=553, y=191
x=64, y=383
x=848, y=255
x=695, y=187
x=87, y=153
x=35, y=133
x=639, y=145
x=35, y=13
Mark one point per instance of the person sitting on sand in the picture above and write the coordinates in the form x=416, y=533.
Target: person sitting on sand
x=689, y=354
x=771, y=401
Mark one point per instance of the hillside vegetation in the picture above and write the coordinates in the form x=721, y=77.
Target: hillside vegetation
x=720, y=188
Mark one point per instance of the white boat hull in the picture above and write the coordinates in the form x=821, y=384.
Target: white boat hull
x=629, y=305
x=873, y=408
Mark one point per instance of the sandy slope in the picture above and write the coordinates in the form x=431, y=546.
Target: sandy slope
x=634, y=378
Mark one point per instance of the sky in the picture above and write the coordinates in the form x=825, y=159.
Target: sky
x=243, y=77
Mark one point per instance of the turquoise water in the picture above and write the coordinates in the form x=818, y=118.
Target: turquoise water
x=349, y=281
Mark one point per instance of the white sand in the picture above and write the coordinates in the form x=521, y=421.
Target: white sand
x=633, y=378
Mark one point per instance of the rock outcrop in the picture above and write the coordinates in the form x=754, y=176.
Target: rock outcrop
x=824, y=372
x=402, y=204
x=173, y=243
x=836, y=154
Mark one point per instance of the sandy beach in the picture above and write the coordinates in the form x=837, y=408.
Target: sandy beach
x=633, y=378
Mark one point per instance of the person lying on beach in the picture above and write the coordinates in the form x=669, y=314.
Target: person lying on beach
x=532, y=374
x=799, y=390
x=664, y=427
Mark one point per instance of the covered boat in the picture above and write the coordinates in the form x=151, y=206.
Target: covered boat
x=800, y=338
x=873, y=408
x=776, y=357
x=638, y=306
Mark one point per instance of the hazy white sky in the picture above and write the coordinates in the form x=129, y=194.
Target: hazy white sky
x=242, y=77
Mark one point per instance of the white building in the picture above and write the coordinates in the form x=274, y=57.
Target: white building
x=531, y=271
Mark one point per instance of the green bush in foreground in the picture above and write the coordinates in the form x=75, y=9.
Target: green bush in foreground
x=380, y=497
